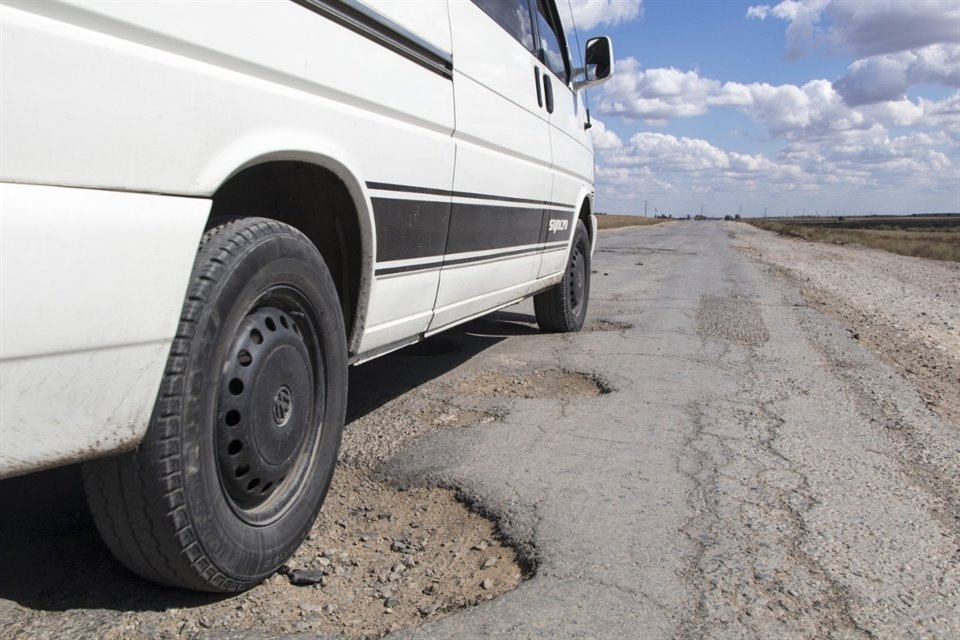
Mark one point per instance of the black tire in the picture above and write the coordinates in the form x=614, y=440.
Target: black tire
x=243, y=440
x=563, y=308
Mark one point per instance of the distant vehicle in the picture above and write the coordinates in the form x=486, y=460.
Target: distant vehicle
x=211, y=209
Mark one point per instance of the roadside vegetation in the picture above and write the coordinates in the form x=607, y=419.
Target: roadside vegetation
x=921, y=236
x=606, y=221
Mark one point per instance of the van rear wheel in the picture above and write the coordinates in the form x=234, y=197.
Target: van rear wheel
x=243, y=440
x=563, y=308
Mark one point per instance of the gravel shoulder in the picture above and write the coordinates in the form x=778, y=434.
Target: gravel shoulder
x=906, y=310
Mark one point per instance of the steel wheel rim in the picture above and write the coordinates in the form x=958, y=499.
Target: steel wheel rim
x=269, y=406
x=577, y=278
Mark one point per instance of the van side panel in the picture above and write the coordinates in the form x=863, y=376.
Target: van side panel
x=91, y=287
x=173, y=98
x=503, y=179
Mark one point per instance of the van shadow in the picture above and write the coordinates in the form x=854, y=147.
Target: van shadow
x=51, y=556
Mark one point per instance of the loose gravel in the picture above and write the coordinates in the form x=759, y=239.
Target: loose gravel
x=378, y=559
x=907, y=310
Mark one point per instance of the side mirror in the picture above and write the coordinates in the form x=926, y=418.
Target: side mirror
x=598, y=59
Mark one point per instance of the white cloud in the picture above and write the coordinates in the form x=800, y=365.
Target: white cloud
x=899, y=44
x=811, y=110
x=657, y=95
x=889, y=26
x=872, y=158
x=803, y=16
x=603, y=138
x=865, y=28
x=588, y=14
x=887, y=77
x=663, y=153
x=815, y=110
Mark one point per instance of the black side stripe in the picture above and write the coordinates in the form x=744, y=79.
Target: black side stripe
x=382, y=186
x=494, y=257
x=410, y=229
x=380, y=29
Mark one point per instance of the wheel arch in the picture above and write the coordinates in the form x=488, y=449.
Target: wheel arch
x=325, y=201
x=585, y=214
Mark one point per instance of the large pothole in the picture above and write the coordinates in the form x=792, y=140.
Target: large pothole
x=377, y=559
x=385, y=559
x=546, y=383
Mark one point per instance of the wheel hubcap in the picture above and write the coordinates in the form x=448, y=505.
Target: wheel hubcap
x=577, y=279
x=265, y=407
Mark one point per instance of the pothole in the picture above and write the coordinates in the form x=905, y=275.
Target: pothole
x=547, y=383
x=378, y=559
x=454, y=417
x=606, y=325
x=391, y=559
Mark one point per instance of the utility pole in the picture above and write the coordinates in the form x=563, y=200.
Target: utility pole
x=701, y=209
x=644, y=207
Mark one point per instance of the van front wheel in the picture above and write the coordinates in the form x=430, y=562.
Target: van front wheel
x=243, y=440
x=563, y=308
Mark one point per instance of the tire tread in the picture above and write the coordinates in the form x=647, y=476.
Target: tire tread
x=128, y=507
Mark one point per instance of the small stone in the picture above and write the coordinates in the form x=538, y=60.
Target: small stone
x=429, y=610
x=341, y=523
x=311, y=608
x=487, y=584
x=489, y=562
x=329, y=609
x=399, y=568
x=391, y=603
x=323, y=562
x=480, y=546
x=304, y=577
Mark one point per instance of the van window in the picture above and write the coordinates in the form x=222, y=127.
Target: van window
x=550, y=41
x=513, y=16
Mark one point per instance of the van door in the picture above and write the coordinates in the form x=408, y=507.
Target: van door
x=502, y=177
x=572, y=150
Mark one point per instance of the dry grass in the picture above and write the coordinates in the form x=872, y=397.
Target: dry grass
x=616, y=222
x=937, y=245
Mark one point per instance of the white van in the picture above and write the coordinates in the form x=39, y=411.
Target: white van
x=210, y=209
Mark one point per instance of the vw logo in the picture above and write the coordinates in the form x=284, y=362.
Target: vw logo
x=282, y=406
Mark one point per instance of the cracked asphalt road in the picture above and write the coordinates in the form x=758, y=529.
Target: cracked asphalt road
x=746, y=478
x=712, y=458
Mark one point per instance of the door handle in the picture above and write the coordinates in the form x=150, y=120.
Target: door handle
x=536, y=80
x=548, y=92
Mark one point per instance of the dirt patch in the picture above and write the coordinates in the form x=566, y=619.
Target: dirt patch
x=378, y=559
x=606, y=325
x=548, y=383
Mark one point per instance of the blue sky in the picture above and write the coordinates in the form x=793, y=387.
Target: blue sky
x=801, y=106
